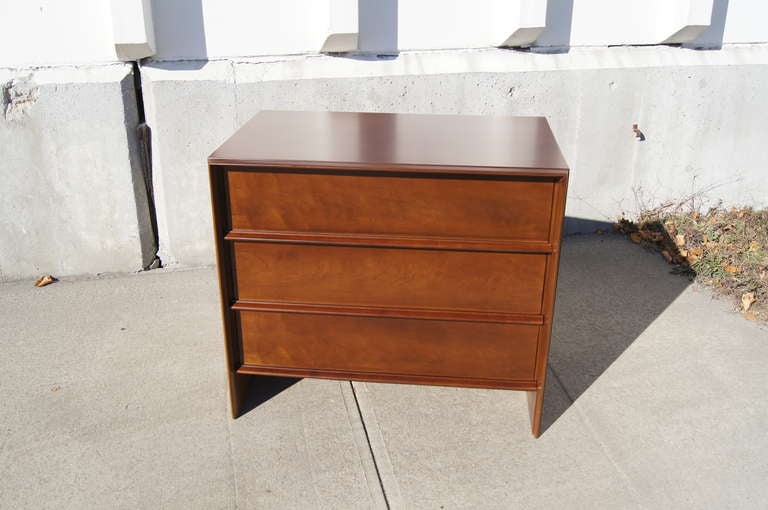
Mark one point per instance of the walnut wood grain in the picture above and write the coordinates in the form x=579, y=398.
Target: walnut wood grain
x=417, y=205
x=484, y=281
x=387, y=345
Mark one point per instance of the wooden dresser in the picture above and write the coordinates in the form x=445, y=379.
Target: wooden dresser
x=418, y=249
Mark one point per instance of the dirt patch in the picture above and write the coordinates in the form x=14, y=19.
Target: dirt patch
x=724, y=249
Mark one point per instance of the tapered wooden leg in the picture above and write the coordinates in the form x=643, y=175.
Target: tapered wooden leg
x=535, y=406
x=238, y=392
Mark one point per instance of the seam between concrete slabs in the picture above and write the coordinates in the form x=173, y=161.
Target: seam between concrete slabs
x=596, y=436
x=365, y=452
x=560, y=384
x=606, y=451
x=378, y=447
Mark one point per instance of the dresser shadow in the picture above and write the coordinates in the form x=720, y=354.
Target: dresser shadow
x=262, y=388
x=609, y=290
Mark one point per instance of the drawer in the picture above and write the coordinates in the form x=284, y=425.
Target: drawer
x=387, y=345
x=390, y=277
x=509, y=208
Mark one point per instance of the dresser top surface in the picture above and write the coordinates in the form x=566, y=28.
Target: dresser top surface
x=393, y=142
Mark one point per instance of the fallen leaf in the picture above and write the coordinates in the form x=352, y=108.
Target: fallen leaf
x=731, y=269
x=55, y=387
x=751, y=316
x=742, y=213
x=692, y=258
x=635, y=237
x=697, y=252
x=683, y=253
x=680, y=240
x=754, y=246
x=45, y=280
x=746, y=301
x=666, y=255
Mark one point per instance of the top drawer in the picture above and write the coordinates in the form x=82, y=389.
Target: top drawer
x=423, y=205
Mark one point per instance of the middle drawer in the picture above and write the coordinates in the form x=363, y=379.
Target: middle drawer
x=390, y=277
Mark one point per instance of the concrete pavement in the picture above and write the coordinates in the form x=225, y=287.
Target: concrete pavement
x=113, y=395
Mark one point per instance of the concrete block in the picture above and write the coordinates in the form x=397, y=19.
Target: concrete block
x=133, y=29
x=702, y=114
x=72, y=198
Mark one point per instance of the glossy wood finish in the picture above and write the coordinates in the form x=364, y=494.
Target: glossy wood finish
x=386, y=277
x=406, y=205
x=536, y=399
x=394, y=143
x=396, y=248
x=388, y=345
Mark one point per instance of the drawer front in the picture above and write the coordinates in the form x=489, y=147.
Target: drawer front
x=386, y=345
x=506, y=208
x=390, y=277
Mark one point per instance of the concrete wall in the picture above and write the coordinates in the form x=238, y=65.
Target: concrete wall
x=591, y=97
x=71, y=199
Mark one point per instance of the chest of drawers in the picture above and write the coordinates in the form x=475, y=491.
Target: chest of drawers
x=417, y=249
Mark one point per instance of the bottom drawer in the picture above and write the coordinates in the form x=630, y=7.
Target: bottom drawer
x=389, y=345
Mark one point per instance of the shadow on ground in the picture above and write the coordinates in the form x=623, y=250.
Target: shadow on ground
x=608, y=292
x=264, y=387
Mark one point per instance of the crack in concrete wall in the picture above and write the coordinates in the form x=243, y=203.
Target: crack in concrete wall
x=140, y=150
